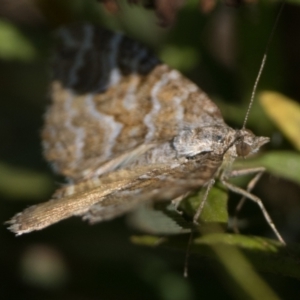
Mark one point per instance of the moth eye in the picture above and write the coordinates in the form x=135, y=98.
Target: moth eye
x=242, y=149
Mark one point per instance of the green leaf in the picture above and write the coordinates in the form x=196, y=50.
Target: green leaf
x=14, y=45
x=160, y=219
x=285, y=164
x=264, y=254
x=215, y=208
x=22, y=183
x=181, y=58
x=164, y=219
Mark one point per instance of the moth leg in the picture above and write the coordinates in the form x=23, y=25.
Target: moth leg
x=201, y=206
x=255, y=199
x=236, y=173
x=176, y=202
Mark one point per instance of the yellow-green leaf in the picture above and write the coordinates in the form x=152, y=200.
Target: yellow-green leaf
x=14, y=45
x=285, y=113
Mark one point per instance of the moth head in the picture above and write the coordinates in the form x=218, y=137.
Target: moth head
x=248, y=143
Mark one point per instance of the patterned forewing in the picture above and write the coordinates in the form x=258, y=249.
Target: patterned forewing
x=111, y=95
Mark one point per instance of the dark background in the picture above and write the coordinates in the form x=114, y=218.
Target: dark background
x=220, y=50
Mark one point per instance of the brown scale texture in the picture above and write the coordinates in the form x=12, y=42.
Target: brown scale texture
x=69, y=117
x=125, y=129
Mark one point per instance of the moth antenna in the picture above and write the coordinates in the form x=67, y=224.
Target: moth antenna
x=263, y=62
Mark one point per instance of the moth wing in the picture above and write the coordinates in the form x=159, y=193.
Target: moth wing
x=163, y=183
x=112, y=101
x=111, y=95
x=119, y=192
x=44, y=214
x=118, y=162
x=142, y=191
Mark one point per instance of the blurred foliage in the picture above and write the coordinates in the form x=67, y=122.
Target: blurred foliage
x=285, y=113
x=14, y=45
x=20, y=183
x=264, y=254
x=221, y=51
x=285, y=164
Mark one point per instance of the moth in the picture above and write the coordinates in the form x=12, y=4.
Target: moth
x=125, y=129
